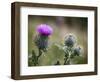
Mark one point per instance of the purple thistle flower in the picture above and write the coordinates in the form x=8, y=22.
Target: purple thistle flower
x=44, y=29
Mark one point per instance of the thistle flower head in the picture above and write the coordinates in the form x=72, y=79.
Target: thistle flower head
x=44, y=29
x=77, y=51
x=41, y=40
x=70, y=40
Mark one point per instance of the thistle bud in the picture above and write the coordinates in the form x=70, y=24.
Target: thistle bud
x=70, y=40
x=77, y=51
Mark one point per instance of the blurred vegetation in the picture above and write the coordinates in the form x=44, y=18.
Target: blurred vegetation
x=61, y=26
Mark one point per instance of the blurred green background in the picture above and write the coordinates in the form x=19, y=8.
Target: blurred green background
x=61, y=27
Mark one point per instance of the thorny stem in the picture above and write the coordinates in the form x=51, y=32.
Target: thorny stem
x=67, y=59
x=40, y=53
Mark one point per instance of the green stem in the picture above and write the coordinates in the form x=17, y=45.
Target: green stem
x=40, y=53
x=67, y=59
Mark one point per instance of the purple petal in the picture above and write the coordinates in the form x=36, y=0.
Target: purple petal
x=44, y=29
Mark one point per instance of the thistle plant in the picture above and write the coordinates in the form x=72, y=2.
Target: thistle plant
x=71, y=49
x=41, y=41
